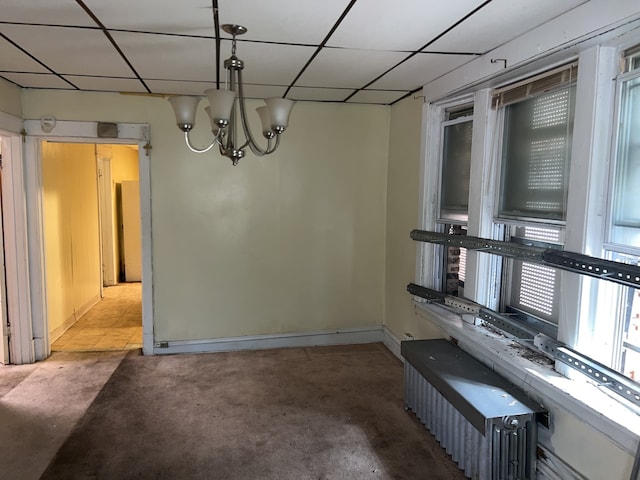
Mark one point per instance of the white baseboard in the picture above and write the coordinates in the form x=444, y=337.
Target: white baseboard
x=391, y=342
x=57, y=332
x=262, y=342
x=88, y=306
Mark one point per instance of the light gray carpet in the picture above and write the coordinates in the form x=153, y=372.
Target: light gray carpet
x=40, y=405
x=308, y=413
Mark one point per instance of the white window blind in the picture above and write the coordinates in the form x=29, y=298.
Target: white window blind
x=538, y=125
x=457, y=131
x=535, y=288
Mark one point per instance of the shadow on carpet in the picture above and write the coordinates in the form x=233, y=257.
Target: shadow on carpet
x=303, y=413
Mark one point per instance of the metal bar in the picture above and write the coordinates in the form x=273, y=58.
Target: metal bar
x=508, y=324
x=603, y=375
x=506, y=249
x=503, y=322
x=621, y=273
x=428, y=294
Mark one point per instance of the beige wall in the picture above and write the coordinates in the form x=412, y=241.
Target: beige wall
x=10, y=99
x=402, y=217
x=124, y=163
x=70, y=211
x=286, y=243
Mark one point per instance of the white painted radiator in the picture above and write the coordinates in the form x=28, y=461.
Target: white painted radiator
x=486, y=424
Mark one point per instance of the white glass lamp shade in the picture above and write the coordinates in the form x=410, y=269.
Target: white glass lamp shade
x=214, y=126
x=184, y=106
x=265, y=119
x=220, y=103
x=279, y=110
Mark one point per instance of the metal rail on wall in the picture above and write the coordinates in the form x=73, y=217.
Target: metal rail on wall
x=624, y=274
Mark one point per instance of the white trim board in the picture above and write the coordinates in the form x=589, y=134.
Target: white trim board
x=263, y=342
x=392, y=343
x=56, y=333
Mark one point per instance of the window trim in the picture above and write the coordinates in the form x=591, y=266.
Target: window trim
x=586, y=212
x=608, y=243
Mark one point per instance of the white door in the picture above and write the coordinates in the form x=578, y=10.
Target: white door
x=4, y=320
x=105, y=204
x=131, y=231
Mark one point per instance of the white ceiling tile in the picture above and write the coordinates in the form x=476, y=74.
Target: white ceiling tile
x=171, y=87
x=499, y=22
x=345, y=68
x=72, y=51
x=168, y=57
x=409, y=25
x=263, y=91
x=270, y=64
x=106, y=84
x=45, y=12
x=319, y=94
x=421, y=69
x=289, y=21
x=188, y=17
x=13, y=59
x=37, y=80
x=383, y=97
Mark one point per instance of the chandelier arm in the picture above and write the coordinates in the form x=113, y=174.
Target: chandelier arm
x=202, y=150
x=253, y=145
x=271, y=149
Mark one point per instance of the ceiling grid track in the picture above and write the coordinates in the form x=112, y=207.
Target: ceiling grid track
x=340, y=51
x=113, y=42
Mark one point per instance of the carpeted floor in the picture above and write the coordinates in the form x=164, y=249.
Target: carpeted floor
x=308, y=413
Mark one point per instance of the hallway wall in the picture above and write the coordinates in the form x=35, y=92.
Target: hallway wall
x=10, y=99
x=70, y=204
x=292, y=242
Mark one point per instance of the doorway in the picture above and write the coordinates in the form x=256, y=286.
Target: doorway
x=5, y=357
x=92, y=246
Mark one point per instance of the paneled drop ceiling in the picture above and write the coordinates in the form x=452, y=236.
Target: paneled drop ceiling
x=362, y=51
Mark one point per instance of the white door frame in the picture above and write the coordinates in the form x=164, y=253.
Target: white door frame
x=16, y=241
x=81, y=132
x=4, y=316
x=105, y=206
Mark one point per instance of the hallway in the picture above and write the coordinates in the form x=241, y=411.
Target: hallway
x=115, y=323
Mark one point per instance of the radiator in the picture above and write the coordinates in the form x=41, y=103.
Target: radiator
x=485, y=423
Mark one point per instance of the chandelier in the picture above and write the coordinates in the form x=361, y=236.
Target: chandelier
x=223, y=112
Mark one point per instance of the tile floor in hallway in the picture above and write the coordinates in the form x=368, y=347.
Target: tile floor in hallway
x=114, y=323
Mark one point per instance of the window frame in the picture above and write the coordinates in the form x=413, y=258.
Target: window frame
x=507, y=223
x=584, y=204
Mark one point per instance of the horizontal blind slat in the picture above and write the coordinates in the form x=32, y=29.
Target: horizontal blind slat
x=543, y=83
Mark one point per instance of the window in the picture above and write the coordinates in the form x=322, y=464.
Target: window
x=535, y=153
x=532, y=192
x=535, y=159
x=456, y=163
x=456, y=135
x=610, y=333
x=531, y=292
x=625, y=222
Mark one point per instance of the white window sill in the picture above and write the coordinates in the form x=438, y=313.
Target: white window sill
x=541, y=382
